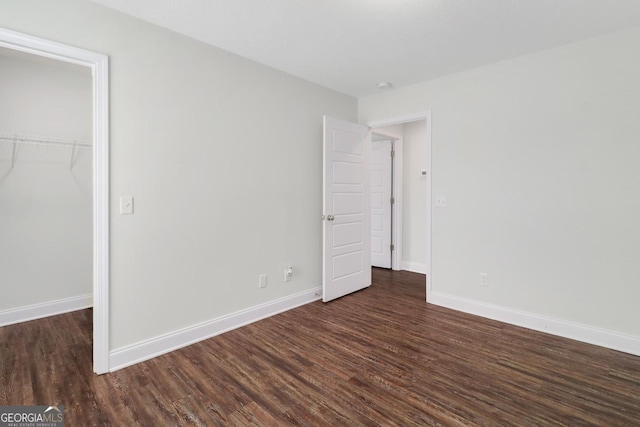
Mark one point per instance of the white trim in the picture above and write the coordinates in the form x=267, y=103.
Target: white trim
x=416, y=267
x=429, y=177
x=101, y=216
x=414, y=117
x=151, y=348
x=396, y=224
x=576, y=331
x=425, y=115
x=44, y=309
x=99, y=64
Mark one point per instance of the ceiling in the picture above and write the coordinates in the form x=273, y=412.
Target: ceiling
x=351, y=45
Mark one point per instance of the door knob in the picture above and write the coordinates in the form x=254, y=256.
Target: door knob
x=330, y=218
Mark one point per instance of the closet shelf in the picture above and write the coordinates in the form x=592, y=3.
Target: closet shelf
x=39, y=140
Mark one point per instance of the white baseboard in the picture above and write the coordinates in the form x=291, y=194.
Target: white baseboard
x=416, y=267
x=576, y=331
x=148, y=349
x=44, y=309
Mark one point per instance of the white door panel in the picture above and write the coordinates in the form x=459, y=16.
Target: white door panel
x=377, y=177
x=347, y=234
x=381, y=203
x=347, y=173
x=376, y=200
x=347, y=204
x=376, y=244
x=346, y=199
x=347, y=264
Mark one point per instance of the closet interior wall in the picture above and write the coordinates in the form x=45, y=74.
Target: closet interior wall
x=45, y=183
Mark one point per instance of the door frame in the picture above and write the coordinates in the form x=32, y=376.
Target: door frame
x=396, y=193
x=424, y=115
x=99, y=65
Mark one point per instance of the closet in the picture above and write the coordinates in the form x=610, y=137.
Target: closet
x=45, y=186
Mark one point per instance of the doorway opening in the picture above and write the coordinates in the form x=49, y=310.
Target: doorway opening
x=99, y=140
x=346, y=193
x=45, y=187
x=409, y=203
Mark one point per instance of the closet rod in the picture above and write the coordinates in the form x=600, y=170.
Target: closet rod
x=37, y=140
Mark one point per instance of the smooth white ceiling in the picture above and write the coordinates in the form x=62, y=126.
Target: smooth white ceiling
x=351, y=45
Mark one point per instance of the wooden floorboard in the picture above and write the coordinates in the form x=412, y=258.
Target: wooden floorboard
x=381, y=356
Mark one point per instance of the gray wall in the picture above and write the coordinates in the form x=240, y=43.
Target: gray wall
x=414, y=213
x=223, y=157
x=538, y=157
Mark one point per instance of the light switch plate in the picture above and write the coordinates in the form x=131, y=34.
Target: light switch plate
x=126, y=205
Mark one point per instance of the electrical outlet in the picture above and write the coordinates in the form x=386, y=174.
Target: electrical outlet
x=262, y=281
x=484, y=279
x=288, y=273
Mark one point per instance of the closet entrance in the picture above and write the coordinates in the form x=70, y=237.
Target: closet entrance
x=54, y=233
x=45, y=186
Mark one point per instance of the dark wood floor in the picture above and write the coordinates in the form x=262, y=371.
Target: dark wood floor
x=381, y=356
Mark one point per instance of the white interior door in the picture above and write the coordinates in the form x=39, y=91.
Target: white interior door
x=346, y=261
x=381, y=203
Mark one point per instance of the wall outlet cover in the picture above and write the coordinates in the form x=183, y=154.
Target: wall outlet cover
x=484, y=279
x=262, y=281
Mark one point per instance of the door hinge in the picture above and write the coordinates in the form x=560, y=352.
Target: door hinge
x=393, y=200
x=392, y=247
x=393, y=153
